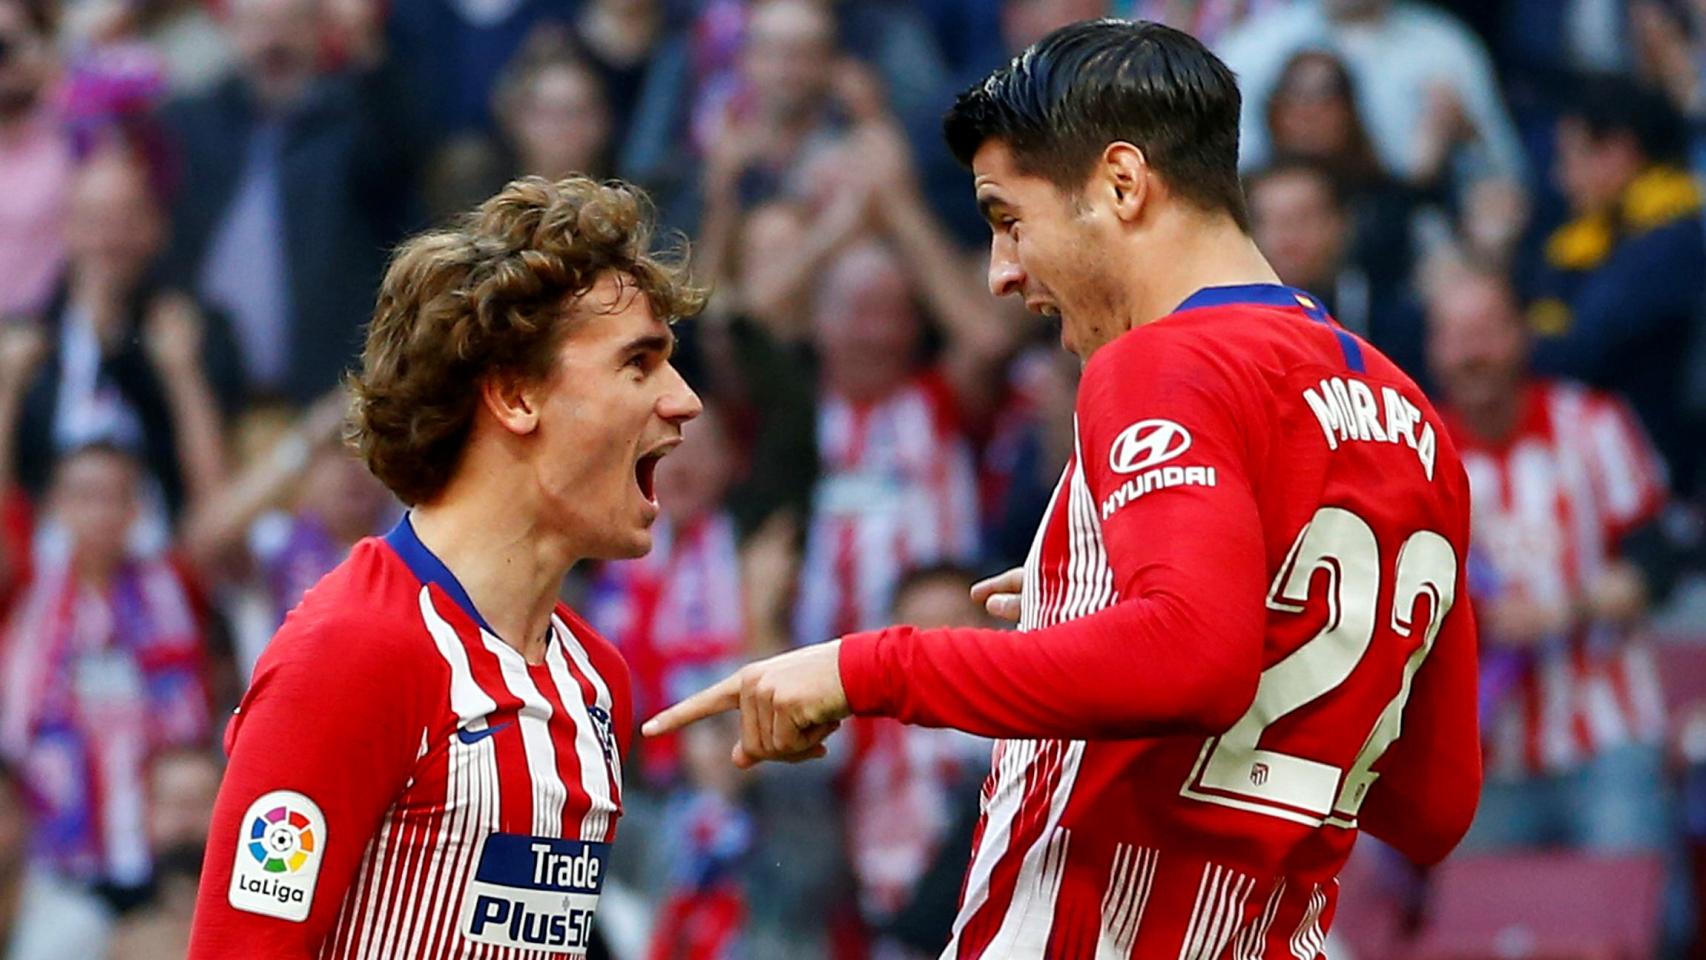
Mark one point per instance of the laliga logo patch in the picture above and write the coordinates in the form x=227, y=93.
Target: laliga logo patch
x=279, y=849
x=534, y=893
x=1147, y=443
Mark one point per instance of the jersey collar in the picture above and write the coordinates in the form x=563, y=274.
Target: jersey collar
x=428, y=568
x=1277, y=295
x=1256, y=294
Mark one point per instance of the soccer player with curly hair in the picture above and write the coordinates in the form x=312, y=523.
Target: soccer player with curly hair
x=428, y=760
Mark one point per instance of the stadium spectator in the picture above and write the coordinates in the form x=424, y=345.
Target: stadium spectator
x=898, y=484
x=553, y=120
x=617, y=39
x=907, y=789
x=1428, y=91
x=183, y=784
x=709, y=833
x=451, y=53
x=676, y=613
x=1566, y=491
x=1615, y=298
x=283, y=522
x=1313, y=115
x=760, y=85
x=35, y=159
x=103, y=663
x=301, y=179
x=131, y=361
x=1030, y=440
x=43, y=917
x=1301, y=220
x=1207, y=20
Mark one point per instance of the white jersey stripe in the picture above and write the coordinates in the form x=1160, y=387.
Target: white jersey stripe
x=534, y=718
x=594, y=777
x=1129, y=881
x=1252, y=942
x=1027, y=920
x=1307, y=940
x=467, y=700
x=1000, y=811
x=1219, y=908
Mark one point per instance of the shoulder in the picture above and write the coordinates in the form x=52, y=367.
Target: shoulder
x=361, y=620
x=1204, y=351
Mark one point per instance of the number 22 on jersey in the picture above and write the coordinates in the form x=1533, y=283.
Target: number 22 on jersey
x=1237, y=769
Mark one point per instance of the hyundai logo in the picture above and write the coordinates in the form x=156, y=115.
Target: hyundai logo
x=1147, y=443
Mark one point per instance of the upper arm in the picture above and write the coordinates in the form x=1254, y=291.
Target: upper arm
x=1163, y=441
x=329, y=729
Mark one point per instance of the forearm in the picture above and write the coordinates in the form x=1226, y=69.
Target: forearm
x=1158, y=665
x=11, y=409
x=949, y=286
x=215, y=525
x=198, y=430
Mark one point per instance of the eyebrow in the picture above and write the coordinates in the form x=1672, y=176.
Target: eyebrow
x=651, y=343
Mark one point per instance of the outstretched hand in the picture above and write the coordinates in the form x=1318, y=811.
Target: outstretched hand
x=789, y=704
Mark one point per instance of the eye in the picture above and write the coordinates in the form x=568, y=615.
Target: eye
x=640, y=362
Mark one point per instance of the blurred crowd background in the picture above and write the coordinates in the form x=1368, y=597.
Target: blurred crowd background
x=197, y=198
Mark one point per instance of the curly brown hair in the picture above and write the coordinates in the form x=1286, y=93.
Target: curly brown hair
x=489, y=295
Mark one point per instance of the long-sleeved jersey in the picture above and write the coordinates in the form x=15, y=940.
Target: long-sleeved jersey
x=1244, y=635
x=404, y=784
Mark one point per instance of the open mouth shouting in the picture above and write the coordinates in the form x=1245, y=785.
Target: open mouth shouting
x=646, y=468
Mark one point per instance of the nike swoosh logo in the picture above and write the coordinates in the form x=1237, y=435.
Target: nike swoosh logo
x=471, y=737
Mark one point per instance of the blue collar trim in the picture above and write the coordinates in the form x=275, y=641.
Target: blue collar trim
x=428, y=568
x=1276, y=295
x=1260, y=294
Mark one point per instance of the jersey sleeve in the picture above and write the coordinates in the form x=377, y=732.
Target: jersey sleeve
x=324, y=740
x=1162, y=439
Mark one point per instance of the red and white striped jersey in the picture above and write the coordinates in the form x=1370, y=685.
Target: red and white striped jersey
x=404, y=784
x=1239, y=644
x=1550, y=504
x=897, y=489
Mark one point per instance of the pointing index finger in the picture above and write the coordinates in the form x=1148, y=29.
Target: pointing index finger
x=718, y=698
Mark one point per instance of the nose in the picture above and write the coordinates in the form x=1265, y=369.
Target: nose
x=1006, y=277
x=678, y=403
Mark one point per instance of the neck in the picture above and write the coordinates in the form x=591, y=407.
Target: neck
x=101, y=297
x=95, y=573
x=510, y=564
x=1198, y=255
x=1494, y=419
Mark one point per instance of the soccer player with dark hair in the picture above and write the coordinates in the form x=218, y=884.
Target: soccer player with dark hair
x=428, y=761
x=1243, y=627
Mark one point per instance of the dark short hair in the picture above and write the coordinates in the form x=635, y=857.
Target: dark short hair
x=1060, y=103
x=1608, y=105
x=1284, y=166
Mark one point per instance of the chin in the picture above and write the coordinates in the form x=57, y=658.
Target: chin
x=632, y=547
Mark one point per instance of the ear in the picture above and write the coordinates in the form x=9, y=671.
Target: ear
x=512, y=402
x=1124, y=172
